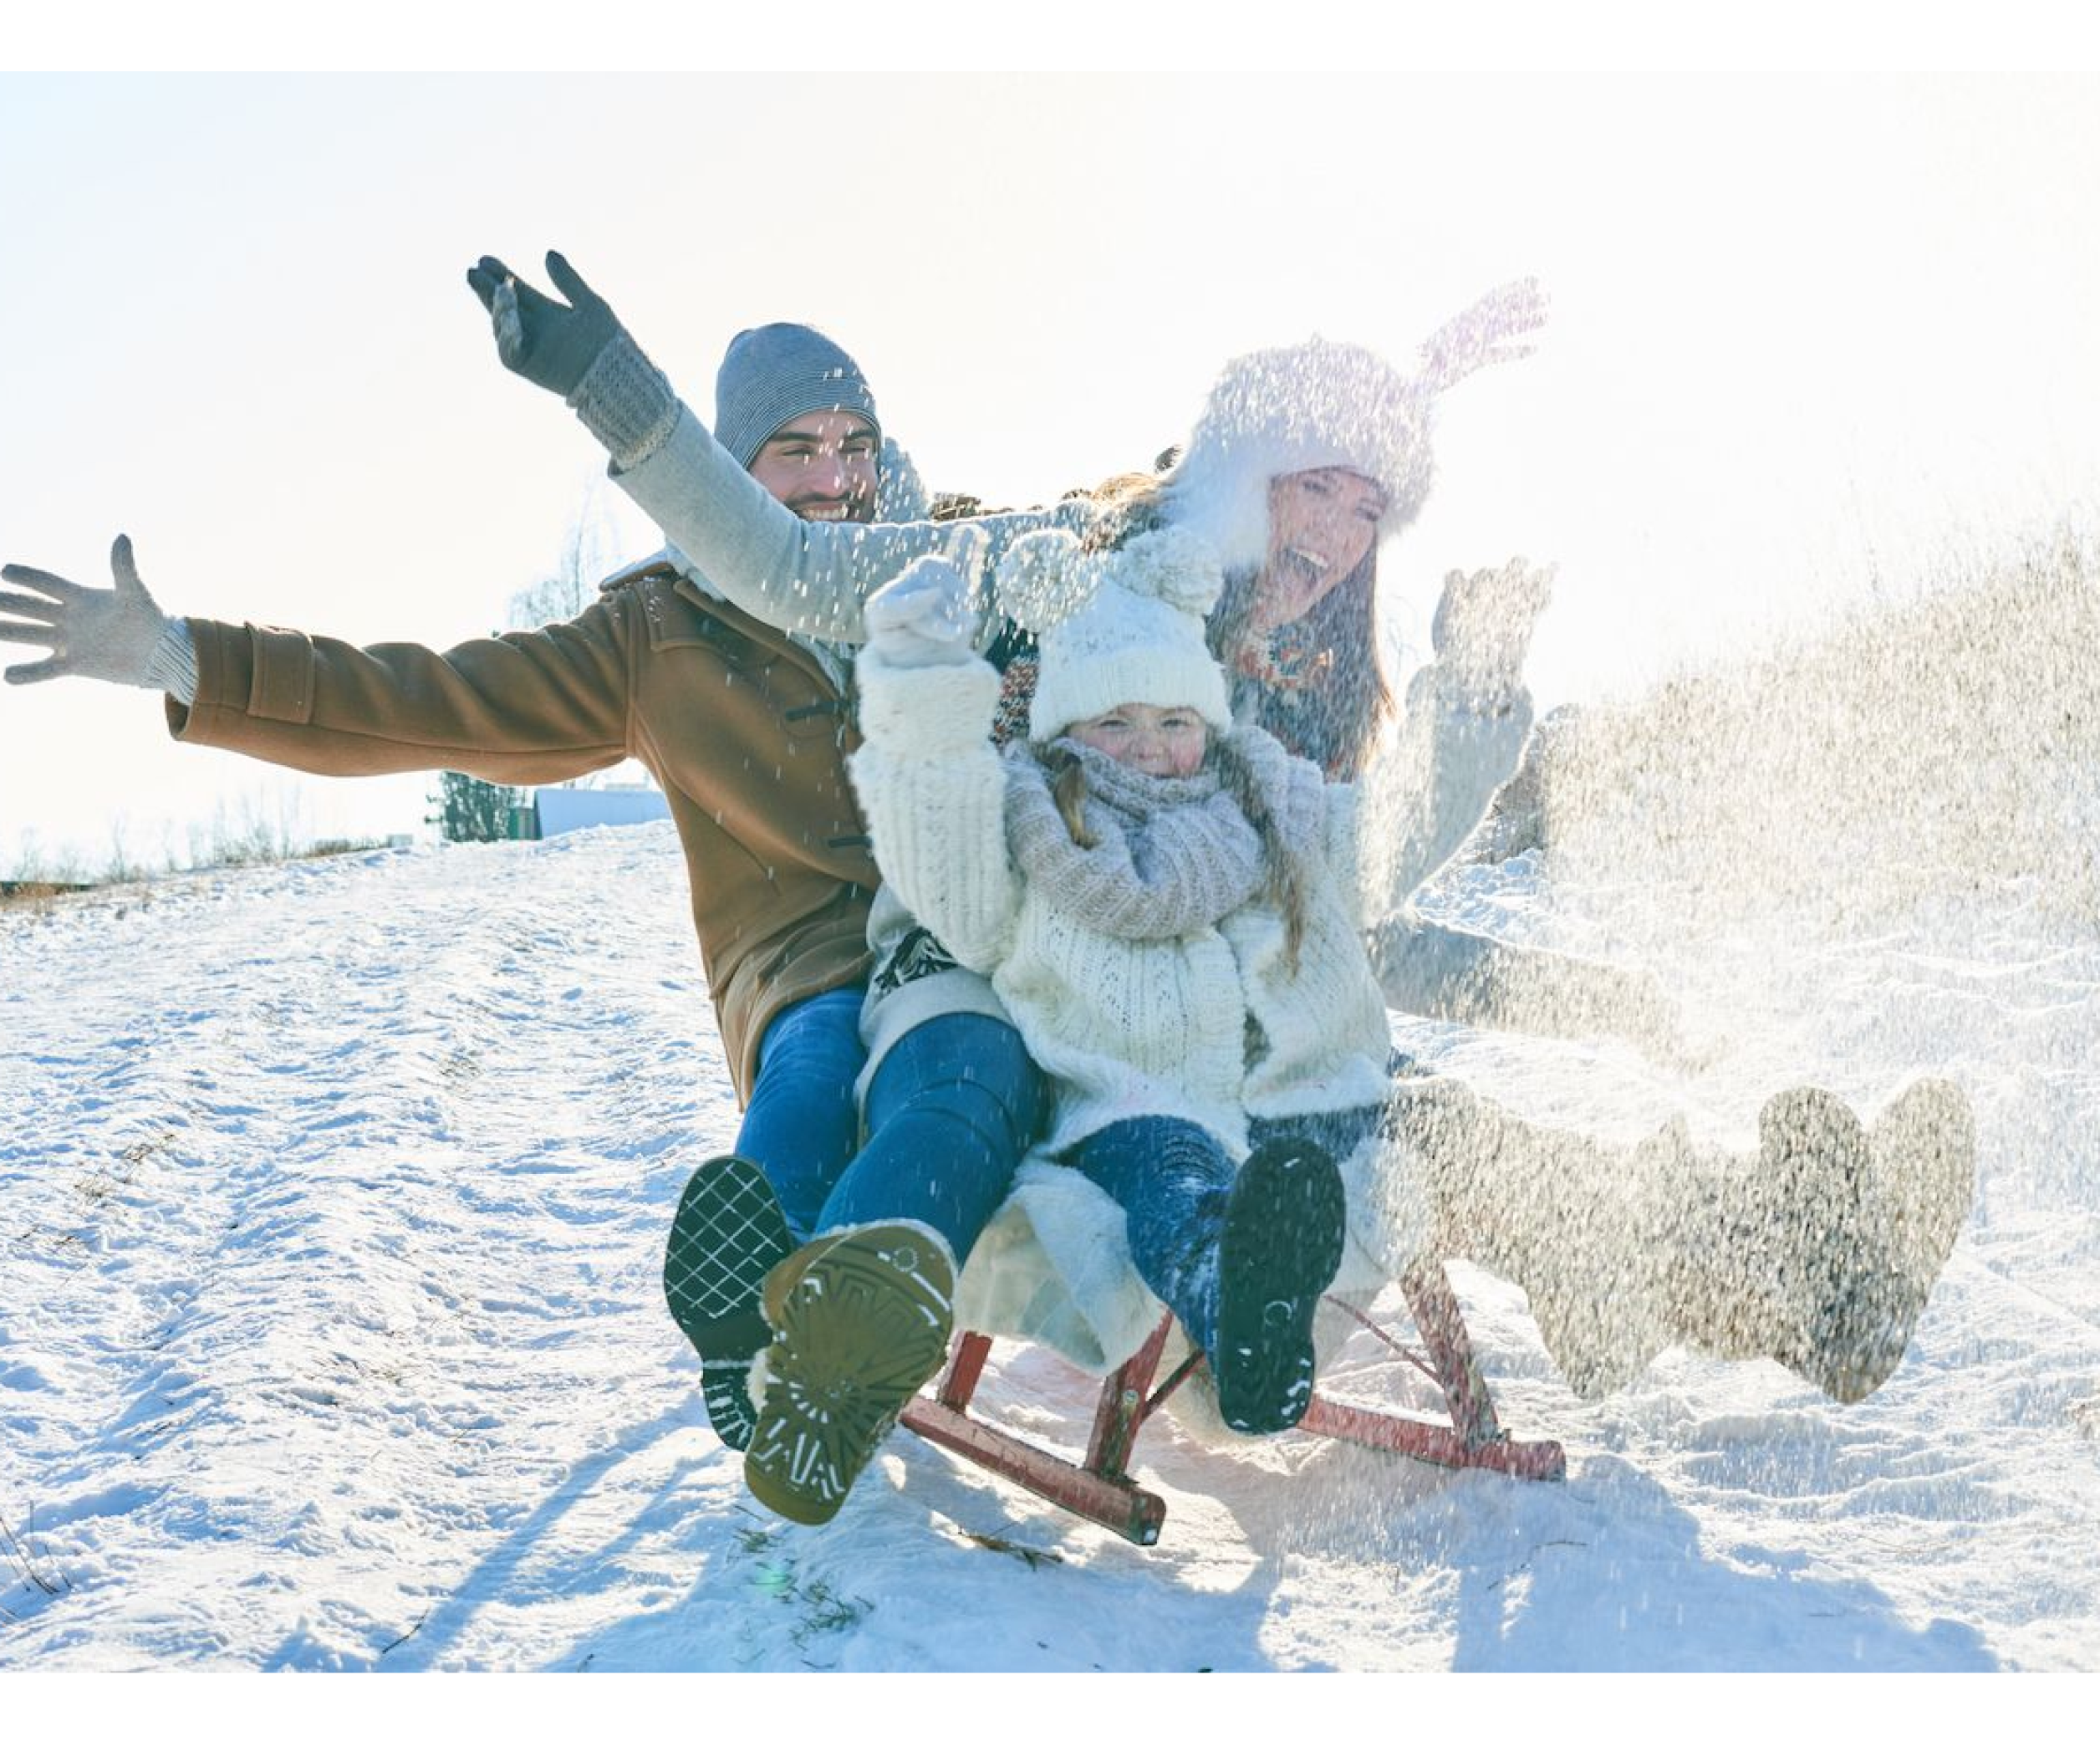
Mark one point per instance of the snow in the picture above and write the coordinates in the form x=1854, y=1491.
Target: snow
x=332, y=1197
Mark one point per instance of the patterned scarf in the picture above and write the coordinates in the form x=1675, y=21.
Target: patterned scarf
x=1285, y=662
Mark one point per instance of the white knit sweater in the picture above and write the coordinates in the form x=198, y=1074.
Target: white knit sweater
x=1124, y=1027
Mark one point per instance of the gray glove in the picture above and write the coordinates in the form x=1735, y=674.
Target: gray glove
x=114, y=633
x=580, y=350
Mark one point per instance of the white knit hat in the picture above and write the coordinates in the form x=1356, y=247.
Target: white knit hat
x=1288, y=411
x=1124, y=627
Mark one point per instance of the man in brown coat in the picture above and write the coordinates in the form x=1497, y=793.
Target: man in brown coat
x=746, y=729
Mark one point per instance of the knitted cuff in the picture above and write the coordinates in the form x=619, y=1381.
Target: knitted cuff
x=173, y=667
x=626, y=402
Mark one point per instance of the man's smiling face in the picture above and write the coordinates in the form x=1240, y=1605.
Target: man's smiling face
x=822, y=466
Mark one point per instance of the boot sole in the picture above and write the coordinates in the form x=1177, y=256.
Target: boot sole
x=727, y=1235
x=1281, y=1244
x=861, y=1321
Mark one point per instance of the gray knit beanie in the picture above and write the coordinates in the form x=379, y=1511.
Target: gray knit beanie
x=774, y=373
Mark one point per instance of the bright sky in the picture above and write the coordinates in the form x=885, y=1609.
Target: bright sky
x=1805, y=329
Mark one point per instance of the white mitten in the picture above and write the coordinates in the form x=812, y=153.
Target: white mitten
x=924, y=618
x=1483, y=627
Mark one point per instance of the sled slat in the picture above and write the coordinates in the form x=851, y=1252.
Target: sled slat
x=1438, y=1444
x=1114, y=1504
x=959, y=1380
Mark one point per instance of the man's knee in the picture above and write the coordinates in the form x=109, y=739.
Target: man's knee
x=817, y=1040
x=967, y=1065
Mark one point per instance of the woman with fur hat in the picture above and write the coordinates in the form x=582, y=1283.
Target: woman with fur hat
x=1305, y=461
x=1278, y=467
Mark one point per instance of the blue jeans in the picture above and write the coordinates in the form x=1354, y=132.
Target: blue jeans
x=952, y=1109
x=1172, y=1179
x=801, y=1125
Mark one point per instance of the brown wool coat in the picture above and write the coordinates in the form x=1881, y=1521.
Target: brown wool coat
x=742, y=727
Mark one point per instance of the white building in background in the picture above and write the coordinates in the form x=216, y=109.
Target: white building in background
x=554, y=810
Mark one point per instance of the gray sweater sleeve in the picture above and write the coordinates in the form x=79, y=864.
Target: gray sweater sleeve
x=812, y=577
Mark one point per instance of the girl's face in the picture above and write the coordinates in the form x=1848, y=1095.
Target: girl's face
x=1321, y=525
x=1153, y=741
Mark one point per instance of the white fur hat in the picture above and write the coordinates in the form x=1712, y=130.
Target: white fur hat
x=1291, y=410
x=1124, y=627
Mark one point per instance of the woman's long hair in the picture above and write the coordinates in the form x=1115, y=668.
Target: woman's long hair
x=1336, y=719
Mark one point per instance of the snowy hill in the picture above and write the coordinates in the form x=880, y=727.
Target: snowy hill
x=331, y=1204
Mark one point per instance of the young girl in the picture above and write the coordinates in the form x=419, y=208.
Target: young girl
x=1154, y=897
x=1163, y=907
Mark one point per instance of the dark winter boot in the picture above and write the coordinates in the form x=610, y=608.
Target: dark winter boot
x=861, y=1318
x=1922, y=1178
x=1833, y=1249
x=1278, y=1250
x=728, y=1234
x=1804, y=1261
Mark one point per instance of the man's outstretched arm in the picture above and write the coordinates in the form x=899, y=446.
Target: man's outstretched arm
x=528, y=707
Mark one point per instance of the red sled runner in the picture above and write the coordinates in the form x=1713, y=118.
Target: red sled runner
x=1099, y=1487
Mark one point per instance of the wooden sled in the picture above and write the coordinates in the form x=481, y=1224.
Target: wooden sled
x=1099, y=1487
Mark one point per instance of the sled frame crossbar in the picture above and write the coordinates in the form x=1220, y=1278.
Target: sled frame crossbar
x=1100, y=1487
